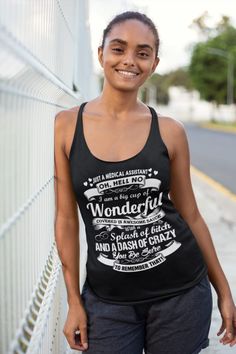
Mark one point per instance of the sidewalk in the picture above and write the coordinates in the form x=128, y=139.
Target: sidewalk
x=219, y=212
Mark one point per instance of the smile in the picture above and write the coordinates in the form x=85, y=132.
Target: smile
x=128, y=74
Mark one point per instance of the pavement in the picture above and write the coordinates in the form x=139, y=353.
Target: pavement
x=218, y=208
x=213, y=152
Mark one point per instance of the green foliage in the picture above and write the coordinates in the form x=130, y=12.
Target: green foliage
x=179, y=77
x=159, y=82
x=207, y=70
x=205, y=30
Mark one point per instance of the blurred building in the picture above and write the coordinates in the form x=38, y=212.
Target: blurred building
x=187, y=105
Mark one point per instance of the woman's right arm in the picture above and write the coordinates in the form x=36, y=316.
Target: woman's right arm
x=67, y=236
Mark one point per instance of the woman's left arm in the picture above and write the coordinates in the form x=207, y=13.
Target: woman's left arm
x=182, y=196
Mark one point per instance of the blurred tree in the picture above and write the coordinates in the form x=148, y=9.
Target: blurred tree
x=161, y=83
x=179, y=77
x=223, y=24
x=200, y=25
x=207, y=70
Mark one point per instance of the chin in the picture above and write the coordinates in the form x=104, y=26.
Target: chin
x=125, y=87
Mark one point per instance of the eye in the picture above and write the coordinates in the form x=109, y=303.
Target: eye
x=143, y=54
x=117, y=50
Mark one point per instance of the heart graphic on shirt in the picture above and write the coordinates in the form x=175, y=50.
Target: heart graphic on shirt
x=85, y=183
x=149, y=169
x=91, y=184
x=155, y=172
x=149, y=175
x=90, y=179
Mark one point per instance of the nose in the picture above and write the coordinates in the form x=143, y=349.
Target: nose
x=128, y=59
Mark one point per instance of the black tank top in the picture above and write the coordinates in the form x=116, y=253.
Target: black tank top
x=139, y=247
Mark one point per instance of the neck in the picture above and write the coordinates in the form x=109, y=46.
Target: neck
x=118, y=102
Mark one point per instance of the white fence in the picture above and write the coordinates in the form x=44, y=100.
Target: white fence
x=41, y=72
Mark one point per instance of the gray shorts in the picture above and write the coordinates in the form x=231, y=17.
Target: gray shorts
x=177, y=325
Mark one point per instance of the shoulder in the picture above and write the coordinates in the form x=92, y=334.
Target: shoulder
x=65, y=118
x=172, y=132
x=171, y=125
x=64, y=125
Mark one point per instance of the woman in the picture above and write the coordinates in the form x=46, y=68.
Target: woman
x=150, y=254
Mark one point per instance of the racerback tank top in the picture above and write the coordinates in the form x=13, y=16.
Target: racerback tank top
x=140, y=249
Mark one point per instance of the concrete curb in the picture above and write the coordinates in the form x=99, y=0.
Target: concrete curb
x=213, y=127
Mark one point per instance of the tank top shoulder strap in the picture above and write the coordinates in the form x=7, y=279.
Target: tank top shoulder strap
x=155, y=137
x=78, y=134
x=155, y=131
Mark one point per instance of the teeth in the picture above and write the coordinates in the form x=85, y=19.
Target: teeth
x=126, y=73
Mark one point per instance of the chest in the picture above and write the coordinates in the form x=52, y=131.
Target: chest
x=111, y=140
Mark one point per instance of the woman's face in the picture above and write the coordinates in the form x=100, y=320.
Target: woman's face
x=128, y=56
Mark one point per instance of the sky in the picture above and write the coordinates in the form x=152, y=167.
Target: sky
x=172, y=19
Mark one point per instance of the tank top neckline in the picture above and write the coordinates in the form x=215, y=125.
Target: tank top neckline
x=139, y=153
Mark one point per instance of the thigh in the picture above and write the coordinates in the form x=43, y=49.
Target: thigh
x=180, y=324
x=112, y=328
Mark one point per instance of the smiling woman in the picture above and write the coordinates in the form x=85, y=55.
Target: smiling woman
x=132, y=60
x=128, y=170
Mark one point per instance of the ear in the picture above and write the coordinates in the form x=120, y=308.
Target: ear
x=156, y=62
x=100, y=55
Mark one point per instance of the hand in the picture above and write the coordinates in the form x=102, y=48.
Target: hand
x=76, y=321
x=228, y=313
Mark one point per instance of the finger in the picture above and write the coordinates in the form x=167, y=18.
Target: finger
x=84, y=336
x=221, y=330
x=234, y=324
x=72, y=343
x=233, y=342
x=229, y=333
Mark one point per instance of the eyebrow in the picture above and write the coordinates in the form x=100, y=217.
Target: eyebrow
x=121, y=41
